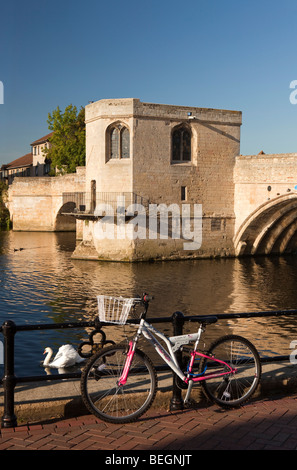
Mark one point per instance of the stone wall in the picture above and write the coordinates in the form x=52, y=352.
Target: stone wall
x=151, y=174
x=114, y=175
x=208, y=178
x=34, y=203
x=262, y=178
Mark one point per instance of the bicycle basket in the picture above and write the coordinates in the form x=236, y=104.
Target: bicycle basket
x=114, y=309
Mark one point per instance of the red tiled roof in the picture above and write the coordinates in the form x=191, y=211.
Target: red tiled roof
x=26, y=160
x=42, y=139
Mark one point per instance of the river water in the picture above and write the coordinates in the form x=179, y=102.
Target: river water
x=40, y=283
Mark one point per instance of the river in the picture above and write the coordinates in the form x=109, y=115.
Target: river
x=40, y=283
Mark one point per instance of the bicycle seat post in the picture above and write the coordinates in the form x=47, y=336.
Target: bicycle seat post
x=176, y=400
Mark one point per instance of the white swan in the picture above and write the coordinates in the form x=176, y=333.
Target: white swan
x=66, y=356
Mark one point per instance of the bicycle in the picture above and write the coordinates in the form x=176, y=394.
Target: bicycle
x=119, y=383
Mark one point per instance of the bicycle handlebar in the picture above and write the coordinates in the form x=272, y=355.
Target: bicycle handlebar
x=146, y=298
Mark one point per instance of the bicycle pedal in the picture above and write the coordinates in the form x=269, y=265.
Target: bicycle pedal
x=180, y=383
x=191, y=404
x=98, y=372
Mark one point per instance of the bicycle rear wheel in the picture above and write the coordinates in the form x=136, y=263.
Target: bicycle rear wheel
x=101, y=393
x=233, y=389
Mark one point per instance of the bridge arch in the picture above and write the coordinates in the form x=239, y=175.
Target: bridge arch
x=271, y=228
x=64, y=222
x=38, y=203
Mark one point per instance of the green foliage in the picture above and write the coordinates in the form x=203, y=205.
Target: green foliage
x=5, y=223
x=67, y=149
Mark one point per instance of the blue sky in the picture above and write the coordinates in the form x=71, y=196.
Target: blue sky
x=227, y=54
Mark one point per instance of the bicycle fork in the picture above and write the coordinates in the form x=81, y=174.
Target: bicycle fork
x=170, y=360
x=130, y=354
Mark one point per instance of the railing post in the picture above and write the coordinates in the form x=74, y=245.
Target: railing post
x=177, y=400
x=9, y=419
x=93, y=196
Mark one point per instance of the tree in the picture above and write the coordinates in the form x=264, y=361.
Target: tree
x=67, y=148
x=5, y=223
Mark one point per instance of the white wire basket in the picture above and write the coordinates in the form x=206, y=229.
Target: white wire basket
x=114, y=309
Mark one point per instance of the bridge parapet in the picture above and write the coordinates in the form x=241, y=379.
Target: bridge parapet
x=265, y=194
x=35, y=203
x=261, y=178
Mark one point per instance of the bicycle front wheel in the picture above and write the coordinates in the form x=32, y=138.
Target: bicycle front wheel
x=101, y=393
x=236, y=388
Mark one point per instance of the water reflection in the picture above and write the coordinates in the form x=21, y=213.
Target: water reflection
x=39, y=282
x=264, y=283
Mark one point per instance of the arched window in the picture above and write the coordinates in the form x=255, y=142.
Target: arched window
x=114, y=143
x=118, y=140
x=125, y=143
x=181, y=145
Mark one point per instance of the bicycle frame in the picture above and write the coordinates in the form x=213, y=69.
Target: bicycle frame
x=173, y=344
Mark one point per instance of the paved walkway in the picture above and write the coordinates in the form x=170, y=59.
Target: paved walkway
x=268, y=423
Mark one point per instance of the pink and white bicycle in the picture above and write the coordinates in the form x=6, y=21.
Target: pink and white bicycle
x=119, y=383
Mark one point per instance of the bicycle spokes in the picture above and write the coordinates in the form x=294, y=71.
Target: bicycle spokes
x=113, y=394
x=235, y=378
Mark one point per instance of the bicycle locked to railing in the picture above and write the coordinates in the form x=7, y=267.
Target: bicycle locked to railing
x=119, y=383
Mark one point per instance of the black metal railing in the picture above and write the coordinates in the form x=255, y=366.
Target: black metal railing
x=9, y=330
x=86, y=202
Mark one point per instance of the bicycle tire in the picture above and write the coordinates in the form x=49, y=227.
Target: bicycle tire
x=235, y=389
x=104, y=398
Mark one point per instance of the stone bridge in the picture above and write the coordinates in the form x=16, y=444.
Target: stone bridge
x=265, y=204
x=37, y=203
